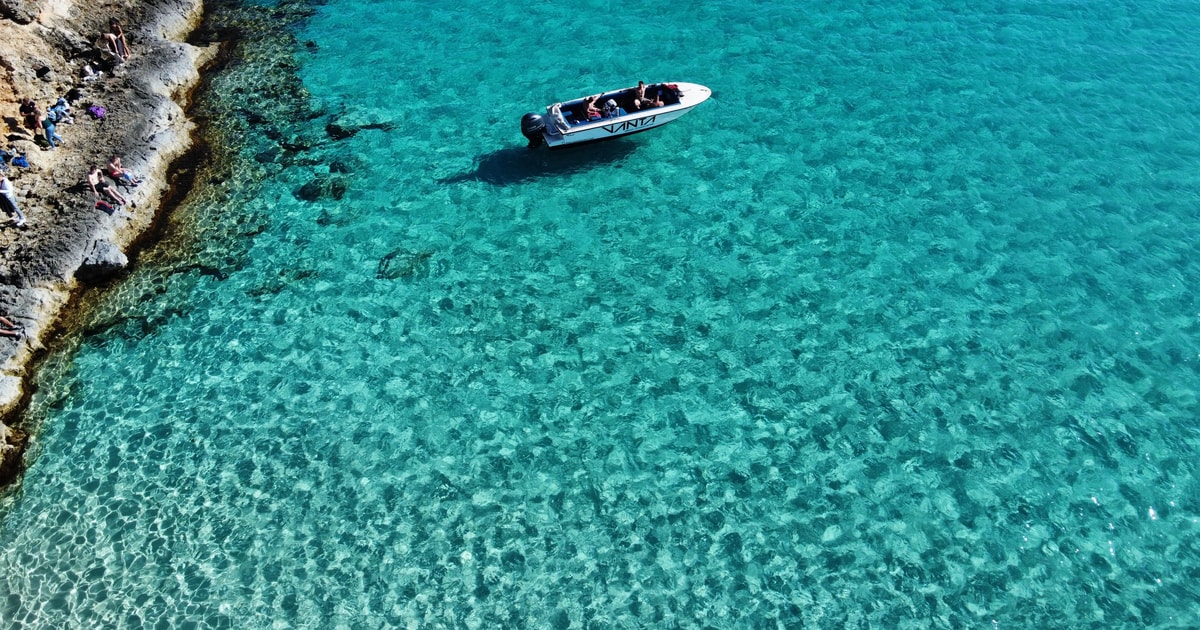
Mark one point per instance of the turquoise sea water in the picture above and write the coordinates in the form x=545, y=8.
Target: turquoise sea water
x=897, y=330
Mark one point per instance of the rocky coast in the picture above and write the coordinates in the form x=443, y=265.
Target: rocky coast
x=67, y=242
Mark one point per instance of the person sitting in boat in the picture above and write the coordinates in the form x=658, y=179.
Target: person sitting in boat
x=641, y=101
x=589, y=106
x=639, y=95
x=648, y=103
x=610, y=109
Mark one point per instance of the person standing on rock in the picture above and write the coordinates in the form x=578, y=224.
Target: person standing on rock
x=48, y=127
x=8, y=201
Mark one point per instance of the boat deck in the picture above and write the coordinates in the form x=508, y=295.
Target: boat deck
x=573, y=111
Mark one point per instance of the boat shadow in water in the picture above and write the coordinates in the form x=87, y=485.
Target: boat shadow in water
x=515, y=165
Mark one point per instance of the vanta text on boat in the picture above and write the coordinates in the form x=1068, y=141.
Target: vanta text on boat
x=612, y=114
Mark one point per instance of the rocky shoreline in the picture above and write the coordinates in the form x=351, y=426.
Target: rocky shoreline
x=67, y=242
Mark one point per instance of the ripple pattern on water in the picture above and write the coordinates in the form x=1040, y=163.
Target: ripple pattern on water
x=896, y=331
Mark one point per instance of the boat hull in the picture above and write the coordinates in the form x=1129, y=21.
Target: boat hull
x=611, y=129
x=558, y=136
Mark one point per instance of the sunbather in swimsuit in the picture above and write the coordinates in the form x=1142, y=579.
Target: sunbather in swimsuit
x=120, y=173
x=99, y=185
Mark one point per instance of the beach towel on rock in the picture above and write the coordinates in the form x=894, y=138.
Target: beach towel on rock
x=97, y=111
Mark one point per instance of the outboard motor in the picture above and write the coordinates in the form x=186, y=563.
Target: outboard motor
x=532, y=127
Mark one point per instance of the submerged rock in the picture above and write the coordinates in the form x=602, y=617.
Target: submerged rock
x=338, y=131
x=402, y=263
x=337, y=187
x=323, y=187
x=342, y=129
x=312, y=191
x=271, y=155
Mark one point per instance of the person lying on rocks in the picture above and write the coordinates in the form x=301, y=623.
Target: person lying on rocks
x=99, y=185
x=9, y=329
x=122, y=174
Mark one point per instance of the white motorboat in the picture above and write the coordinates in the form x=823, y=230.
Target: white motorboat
x=621, y=113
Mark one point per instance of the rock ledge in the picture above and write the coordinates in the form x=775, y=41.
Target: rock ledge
x=67, y=239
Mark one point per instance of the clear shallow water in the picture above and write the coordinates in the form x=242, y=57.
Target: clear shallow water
x=895, y=331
